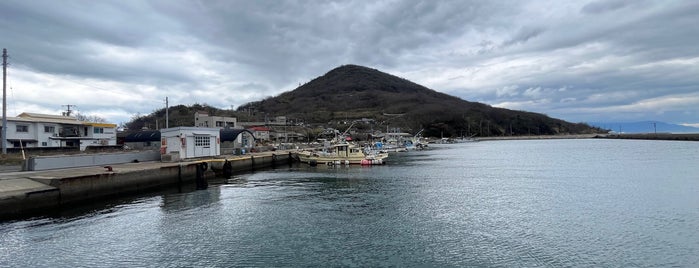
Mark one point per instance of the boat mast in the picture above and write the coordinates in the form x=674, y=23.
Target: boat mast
x=344, y=134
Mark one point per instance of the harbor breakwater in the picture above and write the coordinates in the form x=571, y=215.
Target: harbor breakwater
x=653, y=136
x=632, y=136
x=37, y=192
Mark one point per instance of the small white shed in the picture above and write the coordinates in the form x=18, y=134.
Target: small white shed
x=190, y=142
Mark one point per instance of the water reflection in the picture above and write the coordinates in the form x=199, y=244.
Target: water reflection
x=176, y=202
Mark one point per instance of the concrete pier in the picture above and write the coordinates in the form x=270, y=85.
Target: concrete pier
x=653, y=136
x=31, y=192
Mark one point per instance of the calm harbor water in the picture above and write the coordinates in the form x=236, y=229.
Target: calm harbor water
x=552, y=203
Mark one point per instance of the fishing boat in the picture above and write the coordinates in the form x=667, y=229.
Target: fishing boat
x=342, y=154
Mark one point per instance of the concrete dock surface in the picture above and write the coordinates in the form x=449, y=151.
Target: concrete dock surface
x=22, y=191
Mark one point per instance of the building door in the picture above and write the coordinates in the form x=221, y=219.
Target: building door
x=202, y=145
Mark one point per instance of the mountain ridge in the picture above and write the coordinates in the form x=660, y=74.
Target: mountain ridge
x=354, y=92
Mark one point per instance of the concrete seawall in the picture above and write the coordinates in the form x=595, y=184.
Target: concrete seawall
x=654, y=136
x=85, y=160
x=538, y=137
x=253, y=161
x=31, y=192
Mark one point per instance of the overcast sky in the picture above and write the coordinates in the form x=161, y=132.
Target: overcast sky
x=581, y=61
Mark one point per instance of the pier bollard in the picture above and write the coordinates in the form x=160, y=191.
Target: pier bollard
x=274, y=160
x=227, y=169
x=200, y=179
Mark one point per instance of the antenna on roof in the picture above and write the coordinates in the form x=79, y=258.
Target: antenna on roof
x=68, y=110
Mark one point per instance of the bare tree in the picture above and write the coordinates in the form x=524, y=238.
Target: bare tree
x=90, y=118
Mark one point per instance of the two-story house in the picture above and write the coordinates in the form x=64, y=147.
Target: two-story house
x=32, y=130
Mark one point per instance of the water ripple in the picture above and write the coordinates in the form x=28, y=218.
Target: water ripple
x=502, y=204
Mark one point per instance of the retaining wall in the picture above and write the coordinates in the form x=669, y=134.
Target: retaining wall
x=252, y=162
x=35, y=163
x=95, y=186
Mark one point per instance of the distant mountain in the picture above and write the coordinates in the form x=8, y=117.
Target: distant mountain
x=352, y=92
x=644, y=127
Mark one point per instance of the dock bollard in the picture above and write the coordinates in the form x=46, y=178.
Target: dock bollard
x=227, y=169
x=200, y=180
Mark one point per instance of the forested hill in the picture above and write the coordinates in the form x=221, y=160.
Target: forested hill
x=353, y=92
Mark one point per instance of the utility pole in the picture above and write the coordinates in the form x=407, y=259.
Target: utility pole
x=480, y=127
x=68, y=110
x=4, y=101
x=511, y=129
x=655, y=129
x=167, y=114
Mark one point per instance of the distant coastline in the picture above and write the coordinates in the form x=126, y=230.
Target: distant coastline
x=653, y=136
x=539, y=137
x=634, y=136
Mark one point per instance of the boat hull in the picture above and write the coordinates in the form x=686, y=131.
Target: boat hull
x=310, y=158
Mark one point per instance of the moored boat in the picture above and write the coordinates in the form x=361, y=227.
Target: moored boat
x=342, y=154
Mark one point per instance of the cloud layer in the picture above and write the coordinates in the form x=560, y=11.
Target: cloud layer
x=579, y=61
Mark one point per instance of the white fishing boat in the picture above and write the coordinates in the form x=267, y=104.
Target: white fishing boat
x=342, y=154
x=416, y=142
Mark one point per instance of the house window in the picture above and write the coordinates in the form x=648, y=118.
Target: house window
x=219, y=123
x=98, y=130
x=202, y=141
x=22, y=128
x=49, y=129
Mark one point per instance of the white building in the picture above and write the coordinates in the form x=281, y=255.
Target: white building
x=203, y=119
x=31, y=130
x=260, y=133
x=190, y=142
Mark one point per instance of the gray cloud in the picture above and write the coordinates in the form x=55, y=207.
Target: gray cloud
x=577, y=61
x=605, y=6
x=523, y=35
